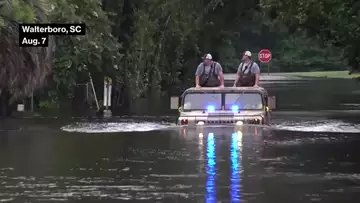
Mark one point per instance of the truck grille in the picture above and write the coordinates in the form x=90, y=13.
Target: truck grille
x=233, y=121
x=219, y=122
x=221, y=114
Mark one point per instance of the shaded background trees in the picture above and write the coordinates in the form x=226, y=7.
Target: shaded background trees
x=333, y=22
x=150, y=48
x=22, y=70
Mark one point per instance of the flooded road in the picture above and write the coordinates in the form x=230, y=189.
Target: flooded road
x=303, y=157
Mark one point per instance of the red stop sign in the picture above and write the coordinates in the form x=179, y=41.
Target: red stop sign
x=264, y=56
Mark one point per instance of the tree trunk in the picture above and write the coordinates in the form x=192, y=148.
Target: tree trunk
x=127, y=108
x=5, y=110
x=127, y=25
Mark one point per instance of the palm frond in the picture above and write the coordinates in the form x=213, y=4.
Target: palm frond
x=5, y=11
x=23, y=69
x=43, y=9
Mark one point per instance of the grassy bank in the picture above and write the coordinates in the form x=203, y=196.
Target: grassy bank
x=328, y=74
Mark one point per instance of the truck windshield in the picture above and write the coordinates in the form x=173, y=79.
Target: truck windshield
x=202, y=101
x=244, y=101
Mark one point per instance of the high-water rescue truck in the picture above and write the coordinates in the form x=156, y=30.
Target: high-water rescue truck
x=224, y=106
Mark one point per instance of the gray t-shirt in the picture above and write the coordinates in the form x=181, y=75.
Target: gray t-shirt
x=200, y=69
x=254, y=69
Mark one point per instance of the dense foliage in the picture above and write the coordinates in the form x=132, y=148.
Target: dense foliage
x=149, y=47
x=334, y=22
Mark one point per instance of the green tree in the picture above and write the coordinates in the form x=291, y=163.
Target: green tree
x=333, y=21
x=22, y=70
x=160, y=44
x=299, y=52
x=96, y=53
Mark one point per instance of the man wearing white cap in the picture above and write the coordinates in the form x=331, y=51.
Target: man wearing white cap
x=209, y=73
x=248, y=74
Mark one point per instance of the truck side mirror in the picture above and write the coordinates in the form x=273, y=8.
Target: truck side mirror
x=272, y=102
x=174, y=102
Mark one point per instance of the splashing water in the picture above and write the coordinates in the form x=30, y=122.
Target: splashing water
x=317, y=126
x=302, y=125
x=112, y=127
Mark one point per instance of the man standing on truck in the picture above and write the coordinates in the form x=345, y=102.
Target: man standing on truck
x=209, y=73
x=248, y=73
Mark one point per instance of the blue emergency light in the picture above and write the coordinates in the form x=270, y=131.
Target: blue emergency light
x=235, y=108
x=211, y=108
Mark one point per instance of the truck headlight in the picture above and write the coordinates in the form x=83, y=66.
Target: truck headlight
x=200, y=123
x=239, y=123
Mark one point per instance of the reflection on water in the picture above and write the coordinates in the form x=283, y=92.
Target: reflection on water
x=235, y=155
x=211, y=169
x=236, y=142
x=201, y=150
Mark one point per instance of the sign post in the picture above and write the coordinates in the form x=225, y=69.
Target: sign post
x=107, y=96
x=265, y=57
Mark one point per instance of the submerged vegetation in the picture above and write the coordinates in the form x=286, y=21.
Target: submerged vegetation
x=151, y=47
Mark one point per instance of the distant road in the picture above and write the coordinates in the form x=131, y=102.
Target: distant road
x=267, y=77
x=299, y=75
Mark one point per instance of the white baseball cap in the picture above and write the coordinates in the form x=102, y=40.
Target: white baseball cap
x=207, y=56
x=247, y=53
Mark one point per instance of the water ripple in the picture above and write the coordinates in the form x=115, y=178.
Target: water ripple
x=326, y=125
x=49, y=189
x=111, y=127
